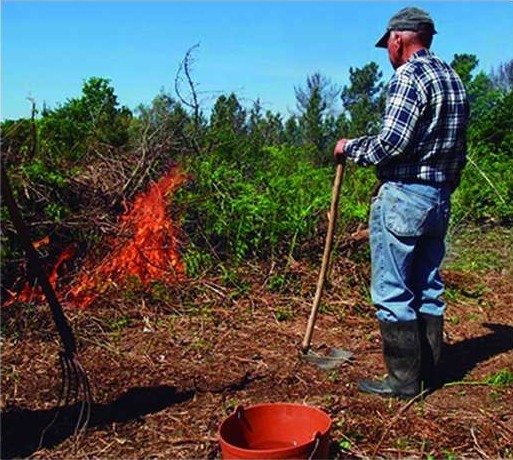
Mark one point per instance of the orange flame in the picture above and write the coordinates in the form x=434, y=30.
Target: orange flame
x=34, y=293
x=146, y=247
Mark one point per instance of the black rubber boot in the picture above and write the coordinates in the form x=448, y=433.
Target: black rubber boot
x=431, y=343
x=401, y=352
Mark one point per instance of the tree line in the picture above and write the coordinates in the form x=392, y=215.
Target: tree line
x=260, y=180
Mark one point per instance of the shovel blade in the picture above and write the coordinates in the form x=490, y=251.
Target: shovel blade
x=335, y=358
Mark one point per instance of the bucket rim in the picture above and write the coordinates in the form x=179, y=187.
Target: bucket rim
x=274, y=404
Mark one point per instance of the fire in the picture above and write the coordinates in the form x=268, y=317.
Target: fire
x=34, y=293
x=146, y=247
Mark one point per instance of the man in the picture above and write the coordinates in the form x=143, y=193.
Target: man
x=419, y=155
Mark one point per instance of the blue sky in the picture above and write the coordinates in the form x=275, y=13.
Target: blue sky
x=255, y=49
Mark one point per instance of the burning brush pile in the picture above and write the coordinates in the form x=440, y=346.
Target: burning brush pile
x=145, y=247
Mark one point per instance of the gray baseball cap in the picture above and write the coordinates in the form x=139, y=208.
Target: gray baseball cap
x=410, y=18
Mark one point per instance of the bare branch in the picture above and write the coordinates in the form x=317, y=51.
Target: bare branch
x=186, y=68
x=191, y=100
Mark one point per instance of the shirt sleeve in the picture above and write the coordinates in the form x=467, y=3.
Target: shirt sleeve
x=403, y=108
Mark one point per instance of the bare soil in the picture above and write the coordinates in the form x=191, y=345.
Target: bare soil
x=166, y=369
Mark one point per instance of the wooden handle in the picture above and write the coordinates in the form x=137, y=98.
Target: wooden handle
x=326, y=256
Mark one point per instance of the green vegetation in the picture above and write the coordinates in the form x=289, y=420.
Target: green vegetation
x=260, y=183
x=495, y=245
x=501, y=378
x=258, y=209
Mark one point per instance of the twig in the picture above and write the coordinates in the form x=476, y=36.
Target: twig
x=498, y=422
x=215, y=288
x=352, y=449
x=394, y=420
x=486, y=178
x=476, y=444
x=470, y=383
x=193, y=440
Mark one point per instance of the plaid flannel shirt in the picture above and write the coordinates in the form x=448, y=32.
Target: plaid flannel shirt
x=423, y=136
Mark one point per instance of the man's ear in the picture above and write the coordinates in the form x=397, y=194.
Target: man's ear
x=397, y=43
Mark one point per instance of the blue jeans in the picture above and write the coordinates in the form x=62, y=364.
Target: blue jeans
x=408, y=223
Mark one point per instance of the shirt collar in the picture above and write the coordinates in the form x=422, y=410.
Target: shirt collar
x=424, y=52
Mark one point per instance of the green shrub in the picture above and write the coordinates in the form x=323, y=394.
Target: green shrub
x=485, y=193
x=266, y=208
x=259, y=210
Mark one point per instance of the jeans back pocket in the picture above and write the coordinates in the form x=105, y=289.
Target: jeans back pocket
x=406, y=213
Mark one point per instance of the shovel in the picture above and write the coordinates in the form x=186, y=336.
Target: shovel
x=336, y=356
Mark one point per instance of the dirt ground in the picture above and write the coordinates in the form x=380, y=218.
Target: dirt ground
x=166, y=369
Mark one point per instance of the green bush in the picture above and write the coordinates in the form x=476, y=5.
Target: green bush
x=260, y=210
x=268, y=208
x=485, y=193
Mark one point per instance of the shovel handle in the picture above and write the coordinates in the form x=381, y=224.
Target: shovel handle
x=326, y=256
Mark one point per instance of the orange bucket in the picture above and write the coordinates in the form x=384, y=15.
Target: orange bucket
x=278, y=430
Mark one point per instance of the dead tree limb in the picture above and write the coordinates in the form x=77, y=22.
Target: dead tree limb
x=191, y=99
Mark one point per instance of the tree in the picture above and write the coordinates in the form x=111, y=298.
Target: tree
x=83, y=124
x=320, y=85
x=315, y=103
x=490, y=123
x=187, y=92
x=108, y=123
x=17, y=140
x=502, y=77
x=292, y=134
x=464, y=65
x=263, y=129
x=165, y=125
x=227, y=130
x=272, y=128
x=363, y=100
x=228, y=115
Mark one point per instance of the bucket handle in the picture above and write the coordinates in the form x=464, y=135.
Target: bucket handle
x=240, y=414
x=317, y=438
x=239, y=411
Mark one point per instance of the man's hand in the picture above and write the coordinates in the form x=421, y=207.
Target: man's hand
x=338, y=153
